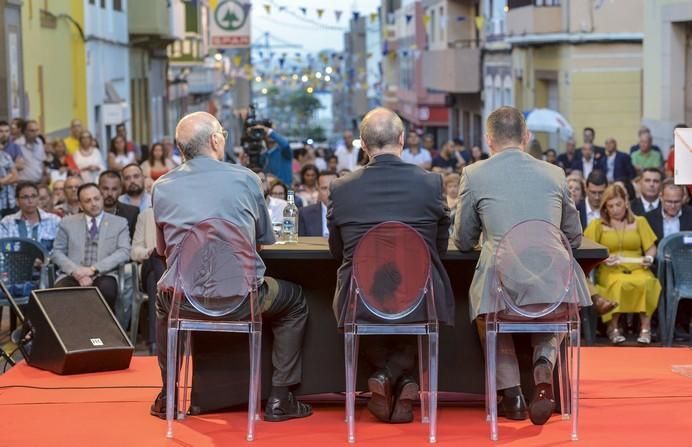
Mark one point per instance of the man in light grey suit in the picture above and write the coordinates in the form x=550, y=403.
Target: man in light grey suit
x=495, y=195
x=91, y=245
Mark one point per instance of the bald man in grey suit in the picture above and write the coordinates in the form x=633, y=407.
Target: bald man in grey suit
x=495, y=195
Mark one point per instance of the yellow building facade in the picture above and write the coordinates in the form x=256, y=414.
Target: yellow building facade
x=54, y=63
x=583, y=61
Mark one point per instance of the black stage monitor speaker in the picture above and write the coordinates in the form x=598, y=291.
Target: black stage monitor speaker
x=74, y=331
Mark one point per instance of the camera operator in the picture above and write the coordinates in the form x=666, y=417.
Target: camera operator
x=278, y=158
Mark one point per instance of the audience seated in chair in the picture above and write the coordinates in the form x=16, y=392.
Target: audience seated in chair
x=650, y=190
x=30, y=221
x=625, y=276
x=71, y=204
x=672, y=218
x=90, y=246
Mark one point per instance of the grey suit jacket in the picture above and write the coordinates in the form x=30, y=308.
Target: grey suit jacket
x=70, y=242
x=498, y=193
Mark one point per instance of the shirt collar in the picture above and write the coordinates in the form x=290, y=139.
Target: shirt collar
x=99, y=218
x=647, y=204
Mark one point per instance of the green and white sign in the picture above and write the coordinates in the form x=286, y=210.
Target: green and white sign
x=229, y=24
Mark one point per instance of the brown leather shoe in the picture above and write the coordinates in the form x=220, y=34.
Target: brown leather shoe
x=603, y=305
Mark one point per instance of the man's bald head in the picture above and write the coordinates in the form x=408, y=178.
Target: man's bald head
x=198, y=133
x=382, y=129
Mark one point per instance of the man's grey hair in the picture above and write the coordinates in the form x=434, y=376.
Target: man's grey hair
x=192, y=146
x=377, y=132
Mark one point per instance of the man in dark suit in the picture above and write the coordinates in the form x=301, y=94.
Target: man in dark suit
x=384, y=190
x=650, y=189
x=589, y=136
x=312, y=219
x=672, y=217
x=111, y=187
x=618, y=164
x=588, y=161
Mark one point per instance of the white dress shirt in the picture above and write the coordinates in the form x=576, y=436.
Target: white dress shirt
x=325, y=230
x=346, y=159
x=591, y=214
x=648, y=206
x=422, y=157
x=671, y=225
x=588, y=167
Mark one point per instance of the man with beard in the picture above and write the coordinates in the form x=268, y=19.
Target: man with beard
x=110, y=185
x=135, y=194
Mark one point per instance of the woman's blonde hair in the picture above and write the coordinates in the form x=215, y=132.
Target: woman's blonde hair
x=451, y=177
x=615, y=191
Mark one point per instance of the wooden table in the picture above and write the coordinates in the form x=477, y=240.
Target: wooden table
x=221, y=360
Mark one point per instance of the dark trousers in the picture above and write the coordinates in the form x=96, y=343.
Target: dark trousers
x=107, y=285
x=152, y=270
x=394, y=353
x=283, y=307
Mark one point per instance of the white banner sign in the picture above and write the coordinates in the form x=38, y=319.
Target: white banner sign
x=230, y=24
x=683, y=156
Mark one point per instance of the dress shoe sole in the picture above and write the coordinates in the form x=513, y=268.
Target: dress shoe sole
x=380, y=404
x=540, y=410
x=403, y=408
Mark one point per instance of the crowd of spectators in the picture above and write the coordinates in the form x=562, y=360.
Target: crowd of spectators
x=626, y=201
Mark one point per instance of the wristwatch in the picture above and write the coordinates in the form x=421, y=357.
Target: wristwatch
x=95, y=270
x=649, y=259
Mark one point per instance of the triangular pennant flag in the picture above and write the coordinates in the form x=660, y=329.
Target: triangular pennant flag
x=268, y=8
x=304, y=10
x=246, y=8
x=337, y=15
x=237, y=60
x=356, y=14
x=426, y=20
x=282, y=8
x=320, y=12
x=373, y=17
x=480, y=21
x=408, y=18
x=461, y=18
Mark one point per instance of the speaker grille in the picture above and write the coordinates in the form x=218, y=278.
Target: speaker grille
x=81, y=318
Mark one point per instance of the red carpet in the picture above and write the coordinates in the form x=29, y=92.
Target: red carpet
x=630, y=397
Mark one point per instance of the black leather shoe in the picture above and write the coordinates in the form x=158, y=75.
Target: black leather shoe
x=543, y=404
x=513, y=408
x=380, y=404
x=406, y=392
x=278, y=410
x=158, y=408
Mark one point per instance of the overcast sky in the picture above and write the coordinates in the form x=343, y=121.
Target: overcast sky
x=310, y=31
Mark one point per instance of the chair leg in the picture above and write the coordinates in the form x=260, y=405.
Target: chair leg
x=350, y=356
x=182, y=408
x=671, y=311
x=253, y=398
x=432, y=381
x=574, y=383
x=171, y=372
x=134, y=318
x=491, y=381
x=424, y=377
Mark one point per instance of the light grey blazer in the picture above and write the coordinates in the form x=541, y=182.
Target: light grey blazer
x=498, y=193
x=70, y=243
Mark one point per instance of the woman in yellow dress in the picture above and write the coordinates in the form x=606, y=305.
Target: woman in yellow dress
x=625, y=276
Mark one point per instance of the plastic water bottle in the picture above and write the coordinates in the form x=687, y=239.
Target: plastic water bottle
x=290, y=223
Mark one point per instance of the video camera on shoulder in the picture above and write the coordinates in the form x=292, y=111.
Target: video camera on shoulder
x=253, y=136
